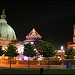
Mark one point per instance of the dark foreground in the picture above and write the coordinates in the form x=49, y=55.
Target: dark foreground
x=35, y=71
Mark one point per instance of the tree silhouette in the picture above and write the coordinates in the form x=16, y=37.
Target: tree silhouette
x=29, y=51
x=11, y=52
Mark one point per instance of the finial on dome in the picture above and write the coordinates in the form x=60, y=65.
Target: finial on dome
x=3, y=16
x=33, y=30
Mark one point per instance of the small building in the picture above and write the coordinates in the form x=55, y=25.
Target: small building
x=60, y=54
x=32, y=37
x=72, y=44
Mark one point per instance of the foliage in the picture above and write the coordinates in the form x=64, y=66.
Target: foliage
x=47, y=48
x=70, y=53
x=1, y=51
x=29, y=50
x=11, y=51
x=36, y=41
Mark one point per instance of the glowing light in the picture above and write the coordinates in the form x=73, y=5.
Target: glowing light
x=58, y=56
x=20, y=58
x=40, y=57
x=63, y=51
x=59, y=51
x=35, y=49
x=32, y=42
x=25, y=58
x=3, y=48
x=6, y=57
x=20, y=49
x=60, y=59
x=61, y=47
x=0, y=57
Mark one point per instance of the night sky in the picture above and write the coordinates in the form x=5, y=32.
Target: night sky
x=53, y=20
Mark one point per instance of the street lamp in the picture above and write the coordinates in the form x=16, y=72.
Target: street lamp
x=62, y=47
x=62, y=54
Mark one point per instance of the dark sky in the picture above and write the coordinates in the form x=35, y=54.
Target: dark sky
x=53, y=20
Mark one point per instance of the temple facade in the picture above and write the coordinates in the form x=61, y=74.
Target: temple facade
x=72, y=44
x=32, y=37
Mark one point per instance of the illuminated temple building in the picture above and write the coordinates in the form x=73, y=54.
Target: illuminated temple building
x=72, y=44
x=7, y=35
x=32, y=36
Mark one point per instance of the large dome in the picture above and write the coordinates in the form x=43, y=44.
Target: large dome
x=6, y=31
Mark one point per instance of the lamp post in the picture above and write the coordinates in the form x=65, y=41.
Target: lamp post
x=62, y=54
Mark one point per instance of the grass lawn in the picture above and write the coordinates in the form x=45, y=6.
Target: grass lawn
x=58, y=71
x=19, y=71
x=36, y=71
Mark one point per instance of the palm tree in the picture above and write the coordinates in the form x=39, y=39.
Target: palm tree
x=29, y=51
x=11, y=52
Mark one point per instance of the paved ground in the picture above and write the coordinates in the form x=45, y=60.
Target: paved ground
x=35, y=66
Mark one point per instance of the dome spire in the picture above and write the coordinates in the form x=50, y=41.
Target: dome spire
x=3, y=16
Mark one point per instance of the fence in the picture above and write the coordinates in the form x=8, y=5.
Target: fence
x=35, y=62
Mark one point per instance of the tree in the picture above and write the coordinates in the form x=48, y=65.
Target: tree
x=37, y=41
x=1, y=51
x=11, y=52
x=29, y=51
x=70, y=53
x=47, y=49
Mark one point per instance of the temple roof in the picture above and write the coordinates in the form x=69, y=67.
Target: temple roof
x=33, y=34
